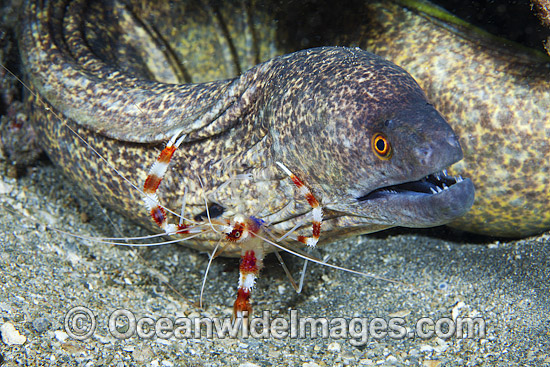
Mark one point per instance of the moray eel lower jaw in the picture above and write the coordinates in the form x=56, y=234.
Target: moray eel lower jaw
x=433, y=200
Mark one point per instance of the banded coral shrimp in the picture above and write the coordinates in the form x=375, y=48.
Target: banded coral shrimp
x=228, y=230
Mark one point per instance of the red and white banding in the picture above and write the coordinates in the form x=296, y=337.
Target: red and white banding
x=152, y=182
x=316, y=213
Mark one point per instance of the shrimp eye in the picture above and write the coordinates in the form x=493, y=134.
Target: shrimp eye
x=381, y=146
x=236, y=233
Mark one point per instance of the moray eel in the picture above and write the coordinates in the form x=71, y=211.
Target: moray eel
x=357, y=129
x=495, y=95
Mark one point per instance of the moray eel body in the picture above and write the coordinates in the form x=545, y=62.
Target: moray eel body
x=357, y=129
x=497, y=99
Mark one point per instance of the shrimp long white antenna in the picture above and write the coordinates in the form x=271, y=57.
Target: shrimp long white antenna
x=287, y=272
x=197, y=231
x=167, y=242
x=206, y=206
x=297, y=287
x=333, y=266
x=113, y=240
x=302, y=277
x=212, y=256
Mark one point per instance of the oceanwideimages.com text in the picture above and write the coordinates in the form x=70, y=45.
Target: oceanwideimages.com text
x=81, y=323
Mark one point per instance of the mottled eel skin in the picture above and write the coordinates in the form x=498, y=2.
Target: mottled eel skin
x=496, y=97
x=316, y=111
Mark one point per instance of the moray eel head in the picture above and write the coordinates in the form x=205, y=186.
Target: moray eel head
x=368, y=142
x=409, y=186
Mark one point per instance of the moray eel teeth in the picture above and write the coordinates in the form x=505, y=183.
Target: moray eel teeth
x=433, y=199
x=429, y=185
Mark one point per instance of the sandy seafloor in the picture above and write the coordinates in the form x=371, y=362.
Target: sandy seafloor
x=43, y=274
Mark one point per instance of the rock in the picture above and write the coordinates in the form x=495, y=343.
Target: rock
x=41, y=324
x=11, y=336
x=61, y=335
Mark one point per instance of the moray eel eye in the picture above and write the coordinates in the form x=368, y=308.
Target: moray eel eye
x=381, y=146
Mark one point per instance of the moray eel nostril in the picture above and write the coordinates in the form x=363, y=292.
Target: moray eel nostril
x=423, y=154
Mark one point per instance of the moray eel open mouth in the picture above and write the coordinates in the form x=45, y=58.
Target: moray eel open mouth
x=433, y=200
x=429, y=185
